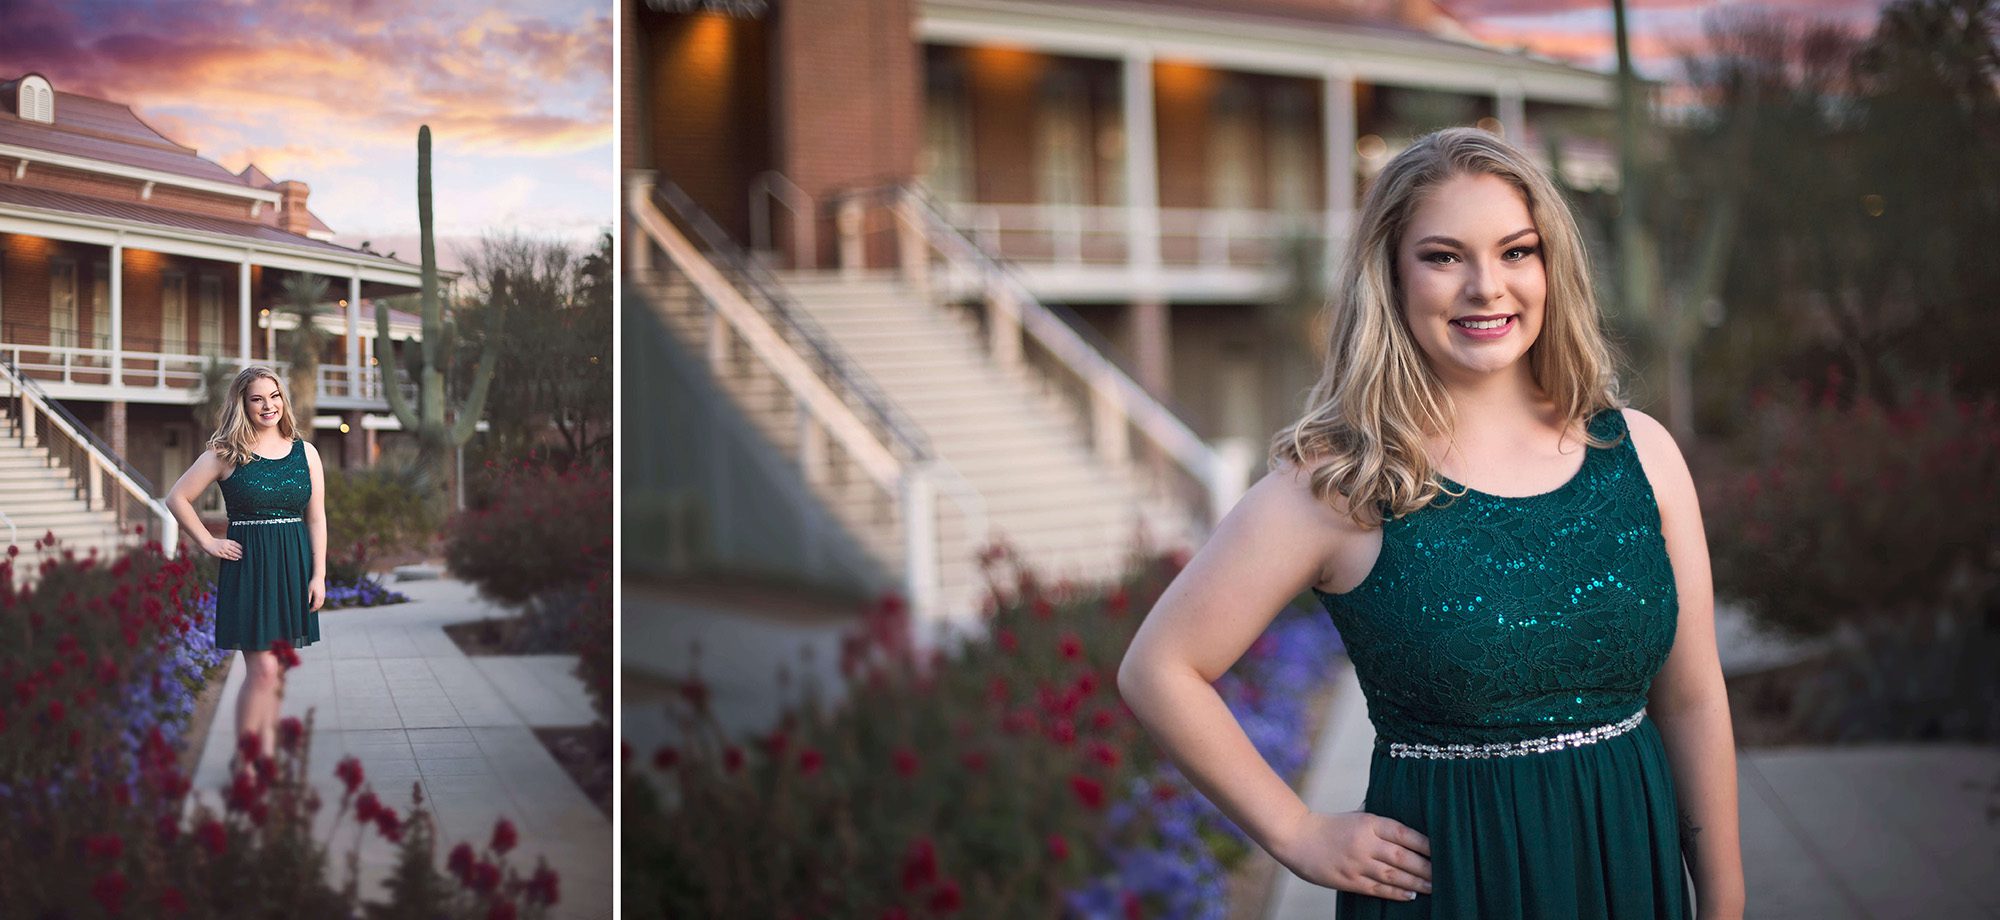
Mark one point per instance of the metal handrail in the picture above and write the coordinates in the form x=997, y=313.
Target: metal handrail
x=122, y=472
x=764, y=290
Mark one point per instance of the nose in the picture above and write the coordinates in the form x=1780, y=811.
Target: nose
x=1482, y=283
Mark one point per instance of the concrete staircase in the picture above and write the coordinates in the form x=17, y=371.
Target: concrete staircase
x=1043, y=491
x=39, y=497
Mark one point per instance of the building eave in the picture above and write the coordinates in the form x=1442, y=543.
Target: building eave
x=33, y=155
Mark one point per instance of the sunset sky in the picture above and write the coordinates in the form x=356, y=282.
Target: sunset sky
x=330, y=92
x=1580, y=31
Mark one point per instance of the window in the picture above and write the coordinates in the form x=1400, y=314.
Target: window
x=1292, y=149
x=62, y=303
x=1231, y=148
x=100, y=305
x=173, y=313
x=946, y=162
x=1062, y=138
x=210, y=307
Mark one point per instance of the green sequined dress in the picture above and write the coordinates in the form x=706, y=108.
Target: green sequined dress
x=263, y=596
x=1505, y=646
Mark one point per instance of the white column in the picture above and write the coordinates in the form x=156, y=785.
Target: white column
x=1142, y=184
x=354, y=333
x=118, y=310
x=1337, y=121
x=243, y=306
x=1510, y=105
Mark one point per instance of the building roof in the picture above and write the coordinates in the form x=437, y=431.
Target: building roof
x=107, y=131
x=48, y=200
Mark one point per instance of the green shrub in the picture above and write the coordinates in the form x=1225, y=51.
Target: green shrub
x=542, y=529
x=388, y=508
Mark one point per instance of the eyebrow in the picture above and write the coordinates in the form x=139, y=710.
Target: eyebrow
x=1448, y=241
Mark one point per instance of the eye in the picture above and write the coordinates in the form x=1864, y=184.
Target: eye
x=1437, y=257
x=1525, y=251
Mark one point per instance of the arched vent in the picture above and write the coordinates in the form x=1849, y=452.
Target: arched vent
x=36, y=100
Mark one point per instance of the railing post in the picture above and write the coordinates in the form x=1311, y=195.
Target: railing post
x=812, y=446
x=912, y=247
x=1003, y=325
x=1108, y=421
x=1229, y=476
x=848, y=220
x=170, y=532
x=638, y=249
x=96, y=485
x=920, y=551
x=28, y=437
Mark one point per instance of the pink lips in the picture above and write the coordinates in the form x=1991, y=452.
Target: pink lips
x=1493, y=333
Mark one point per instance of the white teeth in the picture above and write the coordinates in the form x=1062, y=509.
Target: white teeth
x=1482, y=324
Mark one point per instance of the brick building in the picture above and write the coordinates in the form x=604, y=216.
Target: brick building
x=129, y=263
x=1140, y=162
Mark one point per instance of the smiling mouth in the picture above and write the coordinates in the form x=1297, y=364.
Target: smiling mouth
x=1493, y=322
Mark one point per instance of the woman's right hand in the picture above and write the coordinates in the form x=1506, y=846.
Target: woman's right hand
x=223, y=549
x=1358, y=852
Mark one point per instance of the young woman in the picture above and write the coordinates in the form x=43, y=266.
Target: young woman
x=1515, y=562
x=272, y=578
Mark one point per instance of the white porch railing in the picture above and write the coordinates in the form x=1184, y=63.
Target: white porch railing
x=839, y=411
x=1098, y=235
x=71, y=366
x=339, y=380
x=103, y=479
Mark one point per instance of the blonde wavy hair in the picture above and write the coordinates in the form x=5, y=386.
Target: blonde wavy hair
x=233, y=432
x=1377, y=400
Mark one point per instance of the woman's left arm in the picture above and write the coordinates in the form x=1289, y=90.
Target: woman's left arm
x=316, y=527
x=1689, y=701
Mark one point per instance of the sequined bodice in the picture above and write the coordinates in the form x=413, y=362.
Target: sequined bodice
x=265, y=488
x=1492, y=619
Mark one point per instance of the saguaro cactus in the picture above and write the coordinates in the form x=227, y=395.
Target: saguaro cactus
x=435, y=438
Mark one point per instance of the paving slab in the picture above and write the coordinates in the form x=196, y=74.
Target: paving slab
x=387, y=686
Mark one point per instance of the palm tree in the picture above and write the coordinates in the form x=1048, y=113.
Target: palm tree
x=303, y=344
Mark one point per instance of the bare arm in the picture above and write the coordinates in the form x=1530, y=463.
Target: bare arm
x=316, y=526
x=206, y=471
x=1689, y=701
x=1271, y=546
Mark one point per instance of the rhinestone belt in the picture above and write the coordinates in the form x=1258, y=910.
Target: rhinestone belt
x=271, y=521
x=1516, y=748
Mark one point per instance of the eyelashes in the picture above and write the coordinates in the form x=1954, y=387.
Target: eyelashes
x=1437, y=257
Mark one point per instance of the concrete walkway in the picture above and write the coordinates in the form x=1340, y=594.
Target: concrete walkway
x=1829, y=833
x=387, y=686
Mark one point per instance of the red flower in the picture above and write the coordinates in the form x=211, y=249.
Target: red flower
x=1164, y=791
x=974, y=761
x=168, y=828
x=1130, y=901
x=1007, y=642
x=543, y=886
x=1062, y=731
x=109, y=890
x=287, y=656
x=501, y=910
x=776, y=743
x=172, y=902
x=460, y=861
x=1088, y=791
x=732, y=758
x=55, y=712
x=212, y=836
x=1103, y=719
x=504, y=837
x=1104, y=754
x=367, y=807
x=946, y=899
x=1071, y=646
x=1044, y=609
x=810, y=761
x=665, y=758
x=389, y=824
x=249, y=746
x=349, y=772
x=485, y=876
x=919, y=865
x=906, y=762
x=1058, y=848
x=104, y=846
x=895, y=913
x=996, y=689
x=1116, y=602
x=290, y=730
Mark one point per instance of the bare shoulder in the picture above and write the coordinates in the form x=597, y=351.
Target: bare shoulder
x=1666, y=469
x=311, y=451
x=1324, y=524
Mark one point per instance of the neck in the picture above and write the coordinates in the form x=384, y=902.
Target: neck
x=1498, y=406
